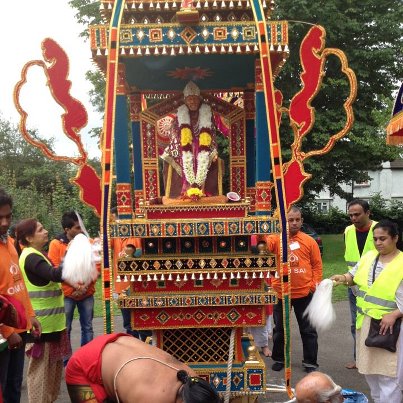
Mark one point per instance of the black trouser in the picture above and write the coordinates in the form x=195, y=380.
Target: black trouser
x=11, y=371
x=308, y=333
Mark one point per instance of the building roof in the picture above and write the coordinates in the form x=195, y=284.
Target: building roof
x=396, y=164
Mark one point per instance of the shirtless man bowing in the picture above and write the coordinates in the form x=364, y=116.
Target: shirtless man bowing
x=117, y=368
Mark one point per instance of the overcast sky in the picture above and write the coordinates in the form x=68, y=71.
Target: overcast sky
x=24, y=24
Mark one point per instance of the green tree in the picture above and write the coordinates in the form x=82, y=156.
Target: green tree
x=26, y=162
x=369, y=32
x=37, y=191
x=88, y=13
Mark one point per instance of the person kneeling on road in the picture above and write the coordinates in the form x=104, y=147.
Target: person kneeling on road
x=117, y=367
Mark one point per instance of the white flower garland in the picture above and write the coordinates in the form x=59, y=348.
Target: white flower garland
x=203, y=160
x=205, y=115
x=187, y=160
x=203, y=156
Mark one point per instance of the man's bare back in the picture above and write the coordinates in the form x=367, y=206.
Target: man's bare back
x=143, y=380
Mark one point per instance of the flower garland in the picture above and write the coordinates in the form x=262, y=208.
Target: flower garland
x=196, y=180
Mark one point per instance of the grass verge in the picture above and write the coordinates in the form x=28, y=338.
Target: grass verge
x=333, y=262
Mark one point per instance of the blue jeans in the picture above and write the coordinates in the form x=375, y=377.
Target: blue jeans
x=127, y=324
x=353, y=311
x=86, y=313
x=11, y=372
x=308, y=333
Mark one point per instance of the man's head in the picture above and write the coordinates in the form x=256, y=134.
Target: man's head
x=130, y=250
x=358, y=211
x=191, y=94
x=71, y=225
x=195, y=390
x=295, y=220
x=261, y=247
x=318, y=387
x=6, y=211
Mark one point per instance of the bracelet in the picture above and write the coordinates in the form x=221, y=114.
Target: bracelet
x=345, y=279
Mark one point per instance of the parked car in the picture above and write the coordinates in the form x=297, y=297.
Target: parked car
x=311, y=232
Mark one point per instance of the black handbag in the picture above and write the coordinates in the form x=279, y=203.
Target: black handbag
x=387, y=341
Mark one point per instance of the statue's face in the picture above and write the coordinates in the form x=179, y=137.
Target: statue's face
x=193, y=102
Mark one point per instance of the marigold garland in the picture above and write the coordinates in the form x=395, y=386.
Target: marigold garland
x=205, y=139
x=196, y=180
x=186, y=136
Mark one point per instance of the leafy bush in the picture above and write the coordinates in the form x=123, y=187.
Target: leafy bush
x=336, y=220
x=332, y=222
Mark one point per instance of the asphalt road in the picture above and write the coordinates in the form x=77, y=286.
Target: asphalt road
x=335, y=350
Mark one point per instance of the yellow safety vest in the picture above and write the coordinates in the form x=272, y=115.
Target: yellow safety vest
x=379, y=298
x=47, y=301
x=352, y=254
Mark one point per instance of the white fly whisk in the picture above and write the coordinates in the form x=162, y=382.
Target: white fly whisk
x=79, y=265
x=320, y=311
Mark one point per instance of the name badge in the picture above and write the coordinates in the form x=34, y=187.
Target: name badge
x=294, y=246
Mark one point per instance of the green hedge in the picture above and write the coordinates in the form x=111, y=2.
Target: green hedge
x=336, y=220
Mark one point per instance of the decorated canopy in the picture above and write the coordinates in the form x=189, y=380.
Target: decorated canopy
x=219, y=49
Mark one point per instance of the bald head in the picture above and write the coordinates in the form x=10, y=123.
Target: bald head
x=317, y=387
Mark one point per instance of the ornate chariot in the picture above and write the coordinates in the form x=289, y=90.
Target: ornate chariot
x=199, y=282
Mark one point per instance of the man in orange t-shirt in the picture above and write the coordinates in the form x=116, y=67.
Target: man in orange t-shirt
x=12, y=284
x=306, y=273
x=83, y=299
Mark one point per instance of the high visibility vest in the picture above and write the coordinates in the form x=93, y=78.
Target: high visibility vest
x=379, y=298
x=47, y=301
x=352, y=254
